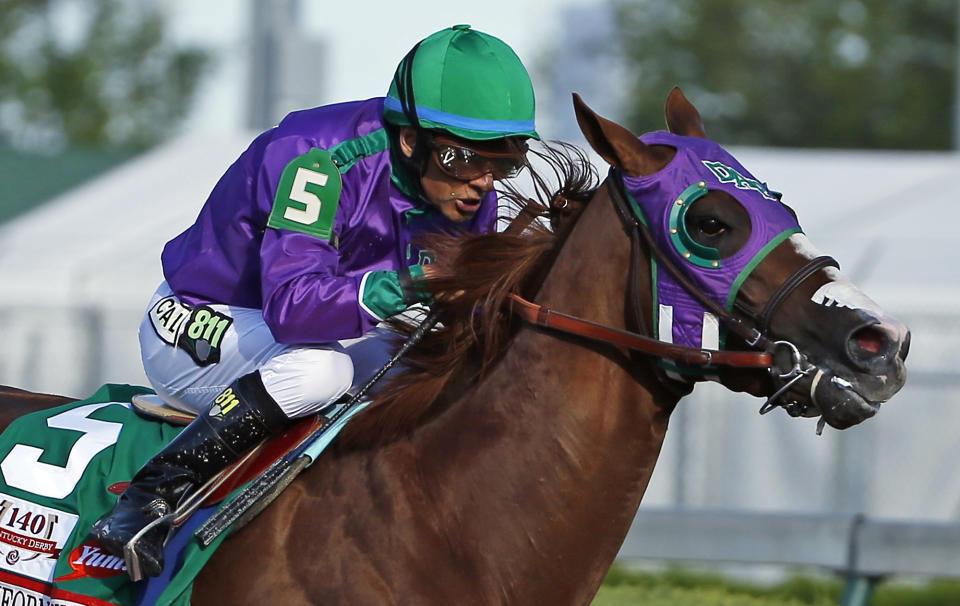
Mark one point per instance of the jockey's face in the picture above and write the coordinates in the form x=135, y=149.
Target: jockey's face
x=458, y=199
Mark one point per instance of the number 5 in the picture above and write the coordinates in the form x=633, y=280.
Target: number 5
x=311, y=202
x=309, y=212
x=22, y=467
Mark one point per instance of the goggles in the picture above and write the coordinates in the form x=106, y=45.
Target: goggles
x=466, y=163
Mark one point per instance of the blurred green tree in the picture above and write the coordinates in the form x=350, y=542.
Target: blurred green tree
x=800, y=73
x=90, y=73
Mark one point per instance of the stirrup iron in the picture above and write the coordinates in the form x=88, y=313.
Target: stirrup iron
x=130, y=557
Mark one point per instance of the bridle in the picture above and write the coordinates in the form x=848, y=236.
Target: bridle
x=786, y=364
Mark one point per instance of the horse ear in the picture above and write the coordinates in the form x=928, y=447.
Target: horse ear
x=615, y=144
x=682, y=117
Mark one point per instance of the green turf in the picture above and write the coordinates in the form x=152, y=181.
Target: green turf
x=684, y=588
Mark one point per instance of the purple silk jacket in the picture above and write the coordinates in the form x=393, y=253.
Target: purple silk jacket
x=308, y=286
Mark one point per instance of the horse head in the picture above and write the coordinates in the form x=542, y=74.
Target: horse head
x=716, y=230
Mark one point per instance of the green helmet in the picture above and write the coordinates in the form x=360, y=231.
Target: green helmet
x=465, y=82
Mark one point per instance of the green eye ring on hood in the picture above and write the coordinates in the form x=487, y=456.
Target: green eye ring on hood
x=683, y=242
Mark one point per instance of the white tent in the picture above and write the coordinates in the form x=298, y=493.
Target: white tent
x=101, y=241
x=76, y=273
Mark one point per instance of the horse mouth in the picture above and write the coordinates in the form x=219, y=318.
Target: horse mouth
x=856, y=400
x=845, y=403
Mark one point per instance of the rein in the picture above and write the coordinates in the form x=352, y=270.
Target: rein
x=547, y=318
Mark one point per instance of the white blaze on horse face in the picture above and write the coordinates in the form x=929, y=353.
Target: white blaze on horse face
x=839, y=291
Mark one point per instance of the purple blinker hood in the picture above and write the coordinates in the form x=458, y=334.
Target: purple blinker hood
x=662, y=200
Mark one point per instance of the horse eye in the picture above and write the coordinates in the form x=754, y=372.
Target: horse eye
x=711, y=226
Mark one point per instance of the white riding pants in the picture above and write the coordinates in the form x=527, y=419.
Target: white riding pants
x=302, y=379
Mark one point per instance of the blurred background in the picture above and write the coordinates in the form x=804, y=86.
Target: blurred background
x=118, y=116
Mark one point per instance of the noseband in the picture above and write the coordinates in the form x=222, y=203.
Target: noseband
x=785, y=362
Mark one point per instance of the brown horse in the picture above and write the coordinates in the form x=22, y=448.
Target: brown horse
x=507, y=465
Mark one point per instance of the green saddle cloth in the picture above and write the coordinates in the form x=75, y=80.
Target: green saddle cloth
x=58, y=467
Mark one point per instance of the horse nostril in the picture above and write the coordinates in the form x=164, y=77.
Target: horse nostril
x=870, y=347
x=905, y=347
x=870, y=339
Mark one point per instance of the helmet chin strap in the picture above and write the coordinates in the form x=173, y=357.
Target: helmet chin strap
x=418, y=159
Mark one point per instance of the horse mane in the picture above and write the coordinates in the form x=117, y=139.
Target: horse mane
x=471, y=280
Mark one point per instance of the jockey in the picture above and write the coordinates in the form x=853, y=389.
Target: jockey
x=272, y=298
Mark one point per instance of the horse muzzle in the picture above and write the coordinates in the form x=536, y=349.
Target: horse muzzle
x=874, y=370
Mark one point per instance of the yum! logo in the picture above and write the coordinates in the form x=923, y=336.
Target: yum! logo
x=91, y=561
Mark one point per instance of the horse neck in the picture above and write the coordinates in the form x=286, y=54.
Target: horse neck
x=556, y=446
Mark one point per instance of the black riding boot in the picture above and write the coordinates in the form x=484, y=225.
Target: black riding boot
x=239, y=419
